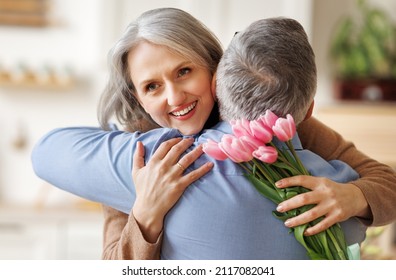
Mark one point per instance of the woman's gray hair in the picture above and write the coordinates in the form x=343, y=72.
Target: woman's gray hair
x=173, y=28
x=270, y=65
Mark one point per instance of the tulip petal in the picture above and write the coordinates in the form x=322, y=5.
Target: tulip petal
x=212, y=149
x=284, y=128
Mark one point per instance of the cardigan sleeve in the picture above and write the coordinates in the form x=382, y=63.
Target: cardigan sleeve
x=123, y=240
x=377, y=181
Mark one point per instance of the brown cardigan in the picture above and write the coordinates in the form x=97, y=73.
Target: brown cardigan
x=124, y=240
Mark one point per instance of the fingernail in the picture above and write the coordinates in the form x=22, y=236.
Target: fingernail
x=279, y=208
x=279, y=183
x=288, y=223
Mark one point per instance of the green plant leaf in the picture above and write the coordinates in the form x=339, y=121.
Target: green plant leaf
x=265, y=189
x=290, y=194
x=299, y=235
x=283, y=165
x=338, y=233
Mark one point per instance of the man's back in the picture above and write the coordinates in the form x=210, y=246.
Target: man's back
x=220, y=216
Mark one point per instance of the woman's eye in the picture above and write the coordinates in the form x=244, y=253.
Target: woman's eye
x=151, y=87
x=183, y=71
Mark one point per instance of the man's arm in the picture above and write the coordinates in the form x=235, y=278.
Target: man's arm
x=92, y=163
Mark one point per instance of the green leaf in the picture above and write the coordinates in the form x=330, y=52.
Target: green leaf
x=299, y=235
x=315, y=256
x=290, y=194
x=272, y=172
x=334, y=251
x=289, y=157
x=339, y=253
x=288, y=167
x=342, y=36
x=299, y=165
x=339, y=236
x=265, y=189
x=282, y=216
x=325, y=244
x=313, y=242
x=297, y=189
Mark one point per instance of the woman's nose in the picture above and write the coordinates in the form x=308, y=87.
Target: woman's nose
x=175, y=95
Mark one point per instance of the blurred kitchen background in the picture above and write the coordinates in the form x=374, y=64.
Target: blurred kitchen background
x=53, y=70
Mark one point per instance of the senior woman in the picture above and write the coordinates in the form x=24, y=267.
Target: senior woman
x=176, y=93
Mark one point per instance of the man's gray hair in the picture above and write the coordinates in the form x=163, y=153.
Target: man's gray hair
x=270, y=65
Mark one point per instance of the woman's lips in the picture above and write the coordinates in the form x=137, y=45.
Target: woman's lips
x=184, y=111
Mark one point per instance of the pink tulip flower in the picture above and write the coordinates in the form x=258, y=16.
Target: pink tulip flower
x=212, y=149
x=250, y=143
x=268, y=119
x=234, y=149
x=261, y=131
x=266, y=154
x=285, y=128
x=241, y=127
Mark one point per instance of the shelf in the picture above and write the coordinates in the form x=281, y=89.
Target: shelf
x=31, y=13
x=50, y=86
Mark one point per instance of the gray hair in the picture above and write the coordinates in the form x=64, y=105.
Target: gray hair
x=175, y=29
x=270, y=65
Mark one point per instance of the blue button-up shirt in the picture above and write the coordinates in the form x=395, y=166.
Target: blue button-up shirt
x=219, y=216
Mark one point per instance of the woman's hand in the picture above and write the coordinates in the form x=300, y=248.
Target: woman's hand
x=162, y=181
x=335, y=201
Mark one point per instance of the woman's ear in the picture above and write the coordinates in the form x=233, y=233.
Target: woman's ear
x=310, y=110
x=213, y=87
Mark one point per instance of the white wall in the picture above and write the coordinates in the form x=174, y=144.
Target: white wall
x=225, y=17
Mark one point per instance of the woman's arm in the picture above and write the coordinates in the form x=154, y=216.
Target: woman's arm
x=372, y=197
x=123, y=240
x=377, y=182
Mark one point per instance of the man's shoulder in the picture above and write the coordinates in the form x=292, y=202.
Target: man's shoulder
x=214, y=133
x=335, y=170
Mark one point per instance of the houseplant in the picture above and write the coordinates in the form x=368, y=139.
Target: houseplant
x=363, y=55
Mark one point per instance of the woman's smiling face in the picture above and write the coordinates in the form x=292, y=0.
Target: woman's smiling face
x=175, y=92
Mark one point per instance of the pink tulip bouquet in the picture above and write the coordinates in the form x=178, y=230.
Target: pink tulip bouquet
x=252, y=147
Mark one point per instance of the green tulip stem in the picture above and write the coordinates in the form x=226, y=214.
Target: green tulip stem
x=335, y=242
x=301, y=165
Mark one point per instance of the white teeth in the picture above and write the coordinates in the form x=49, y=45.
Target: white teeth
x=185, y=111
